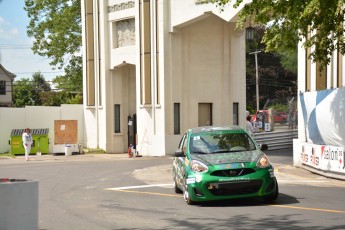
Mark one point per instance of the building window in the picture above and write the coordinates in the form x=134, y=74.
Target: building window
x=2, y=87
x=176, y=118
x=117, y=118
x=235, y=113
x=205, y=114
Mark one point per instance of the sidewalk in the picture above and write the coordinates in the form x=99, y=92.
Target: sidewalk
x=76, y=157
x=307, y=172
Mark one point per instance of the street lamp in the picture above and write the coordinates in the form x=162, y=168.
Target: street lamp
x=250, y=33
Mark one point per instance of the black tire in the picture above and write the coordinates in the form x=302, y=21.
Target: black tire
x=274, y=196
x=187, y=198
x=176, y=188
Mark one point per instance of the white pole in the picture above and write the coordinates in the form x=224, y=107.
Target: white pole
x=257, y=78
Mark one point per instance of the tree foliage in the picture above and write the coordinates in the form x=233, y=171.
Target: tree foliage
x=288, y=22
x=37, y=91
x=72, y=81
x=277, y=80
x=23, y=93
x=56, y=28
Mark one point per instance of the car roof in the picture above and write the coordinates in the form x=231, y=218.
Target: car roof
x=204, y=129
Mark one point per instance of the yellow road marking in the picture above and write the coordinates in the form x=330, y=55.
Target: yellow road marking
x=309, y=209
x=273, y=205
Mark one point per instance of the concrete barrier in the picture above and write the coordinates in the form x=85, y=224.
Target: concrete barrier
x=18, y=204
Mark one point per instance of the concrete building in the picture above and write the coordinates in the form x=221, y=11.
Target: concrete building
x=152, y=69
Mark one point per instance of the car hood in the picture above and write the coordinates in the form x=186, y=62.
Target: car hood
x=230, y=157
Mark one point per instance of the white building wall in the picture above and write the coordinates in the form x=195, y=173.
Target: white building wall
x=186, y=11
x=201, y=59
x=39, y=117
x=301, y=85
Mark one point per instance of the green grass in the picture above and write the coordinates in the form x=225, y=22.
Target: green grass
x=6, y=155
x=93, y=151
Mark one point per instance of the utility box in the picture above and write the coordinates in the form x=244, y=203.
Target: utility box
x=40, y=138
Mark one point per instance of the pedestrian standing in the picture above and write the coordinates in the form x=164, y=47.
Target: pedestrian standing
x=250, y=128
x=27, y=142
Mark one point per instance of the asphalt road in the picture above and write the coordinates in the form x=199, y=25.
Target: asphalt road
x=117, y=192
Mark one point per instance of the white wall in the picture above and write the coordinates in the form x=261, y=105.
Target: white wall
x=201, y=60
x=37, y=117
x=187, y=11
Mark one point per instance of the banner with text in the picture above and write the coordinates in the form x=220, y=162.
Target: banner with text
x=324, y=157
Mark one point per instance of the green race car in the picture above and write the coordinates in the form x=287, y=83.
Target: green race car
x=217, y=163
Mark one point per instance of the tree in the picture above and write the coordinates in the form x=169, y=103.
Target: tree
x=56, y=27
x=277, y=80
x=38, y=92
x=38, y=86
x=30, y=92
x=23, y=93
x=288, y=22
x=72, y=81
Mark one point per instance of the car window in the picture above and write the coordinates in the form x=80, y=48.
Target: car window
x=220, y=142
x=183, y=143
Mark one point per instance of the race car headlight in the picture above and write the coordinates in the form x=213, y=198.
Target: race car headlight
x=197, y=166
x=263, y=162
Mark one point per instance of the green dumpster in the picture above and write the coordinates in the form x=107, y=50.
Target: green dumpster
x=40, y=139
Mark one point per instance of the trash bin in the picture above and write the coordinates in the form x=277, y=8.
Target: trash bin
x=68, y=150
x=40, y=139
x=19, y=204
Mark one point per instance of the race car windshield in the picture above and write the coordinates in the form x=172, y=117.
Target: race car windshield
x=216, y=142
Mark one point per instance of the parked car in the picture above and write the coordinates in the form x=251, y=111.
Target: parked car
x=217, y=163
x=278, y=117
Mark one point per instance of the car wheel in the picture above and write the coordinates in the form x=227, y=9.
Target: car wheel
x=186, y=196
x=272, y=197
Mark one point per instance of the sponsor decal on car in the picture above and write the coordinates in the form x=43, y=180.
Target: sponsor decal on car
x=233, y=179
x=190, y=180
x=232, y=166
x=271, y=172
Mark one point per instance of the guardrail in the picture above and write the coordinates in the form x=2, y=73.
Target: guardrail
x=277, y=139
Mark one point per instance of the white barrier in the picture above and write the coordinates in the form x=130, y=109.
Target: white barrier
x=321, y=157
x=18, y=204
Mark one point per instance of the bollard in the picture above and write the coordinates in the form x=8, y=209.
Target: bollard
x=18, y=204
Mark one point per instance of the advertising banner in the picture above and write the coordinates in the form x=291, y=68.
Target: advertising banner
x=323, y=157
x=323, y=116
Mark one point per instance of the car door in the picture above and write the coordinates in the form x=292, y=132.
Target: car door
x=180, y=162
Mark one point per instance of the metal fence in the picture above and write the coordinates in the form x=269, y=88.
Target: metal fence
x=281, y=139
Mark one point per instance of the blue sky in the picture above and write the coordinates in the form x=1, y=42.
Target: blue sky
x=15, y=46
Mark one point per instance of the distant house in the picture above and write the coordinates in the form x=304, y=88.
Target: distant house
x=6, y=86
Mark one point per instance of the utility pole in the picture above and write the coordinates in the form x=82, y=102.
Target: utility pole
x=257, y=78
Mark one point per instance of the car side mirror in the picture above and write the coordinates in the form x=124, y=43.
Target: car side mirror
x=263, y=147
x=179, y=153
